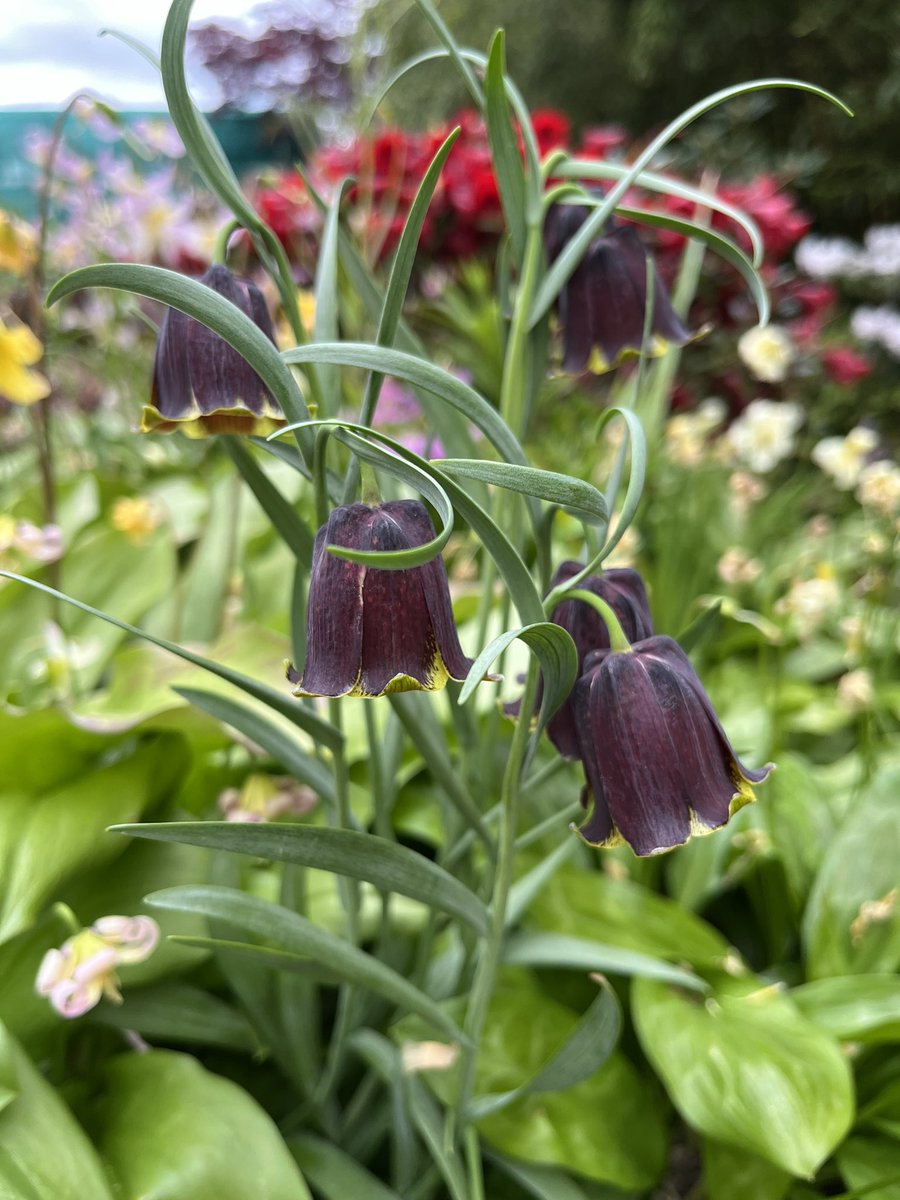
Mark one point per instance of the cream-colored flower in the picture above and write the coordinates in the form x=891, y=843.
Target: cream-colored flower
x=810, y=602
x=746, y=490
x=427, y=1056
x=736, y=567
x=855, y=691
x=767, y=352
x=765, y=433
x=845, y=458
x=19, y=351
x=854, y=630
x=135, y=516
x=264, y=798
x=687, y=433
x=879, y=487
x=75, y=977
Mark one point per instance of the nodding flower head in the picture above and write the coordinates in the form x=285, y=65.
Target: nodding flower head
x=657, y=762
x=602, y=305
x=82, y=971
x=201, y=385
x=370, y=630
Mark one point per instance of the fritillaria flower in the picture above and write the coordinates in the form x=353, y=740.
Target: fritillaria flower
x=602, y=306
x=201, y=384
x=623, y=590
x=657, y=762
x=371, y=631
x=83, y=970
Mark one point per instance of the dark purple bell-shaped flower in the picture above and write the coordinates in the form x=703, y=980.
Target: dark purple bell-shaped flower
x=601, y=308
x=623, y=590
x=371, y=631
x=657, y=762
x=202, y=385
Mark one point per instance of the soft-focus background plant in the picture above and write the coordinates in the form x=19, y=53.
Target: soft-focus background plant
x=768, y=531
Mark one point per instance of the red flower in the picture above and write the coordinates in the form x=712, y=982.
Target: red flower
x=551, y=129
x=599, y=140
x=845, y=366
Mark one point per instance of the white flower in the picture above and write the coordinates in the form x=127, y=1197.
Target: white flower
x=878, y=325
x=767, y=351
x=855, y=691
x=844, y=458
x=687, y=433
x=823, y=258
x=764, y=433
x=879, y=487
x=76, y=976
x=810, y=602
x=736, y=566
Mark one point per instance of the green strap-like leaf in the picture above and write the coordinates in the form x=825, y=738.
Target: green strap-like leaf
x=292, y=529
x=421, y=374
x=558, y=274
x=320, y=730
x=555, y=651
x=564, y=490
x=386, y=865
x=583, y=1052
x=268, y=736
x=335, y=1174
x=327, y=328
x=531, y=949
x=507, y=161
x=458, y=56
x=206, y=306
x=297, y=938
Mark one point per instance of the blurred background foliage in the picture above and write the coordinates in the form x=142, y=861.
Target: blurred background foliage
x=640, y=62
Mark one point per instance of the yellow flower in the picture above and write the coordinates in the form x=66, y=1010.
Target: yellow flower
x=134, y=516
x=17, y=244
x=19, y=351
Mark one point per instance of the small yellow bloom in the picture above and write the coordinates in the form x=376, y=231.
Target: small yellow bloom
x=19, y=351
x=18, y=244
x=135, y=516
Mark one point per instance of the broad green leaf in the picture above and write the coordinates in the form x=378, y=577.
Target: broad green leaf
x=42, y=750
x=575, y=495
x=295, y=937
x=870, y=1167
x=623, y=913
x=292, y=529
x=178, y=1012
x=44, y=1153
x=206, y=306
x=731, y=1174
x=169, y=1129
x=559, y=273
x=265, y=733
x=556, y=654
x=421, y=374
x=334, y=1173
x=386, y=865
x=584, y=1051
x=852, y=921
x=506, y=159
x=858, y=1008
x=46, y=841
x=587, y=168
x=578, y=954
x=729, y=1063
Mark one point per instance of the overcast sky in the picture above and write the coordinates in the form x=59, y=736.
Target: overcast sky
x=49, y=49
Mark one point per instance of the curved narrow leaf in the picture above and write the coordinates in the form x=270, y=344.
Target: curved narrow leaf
x=564, y=490
x=266, y=735
x=199, y=141
x=386, y=865
x=335, y=1174
x=637, y=444
x=420, y=374
x=579, y=954
x=456, y=54
x=296, y=937
x=134, y=44
x=178, y=1012
x=558, y=274
x=204, y=305
x=507, y=161
x=717, y=242
x=291, y=528
x=318, y=729
x=326, y=327
x=588, y=168
x=584, y=1051
x=555, y=651
x=750, y=1054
